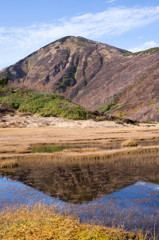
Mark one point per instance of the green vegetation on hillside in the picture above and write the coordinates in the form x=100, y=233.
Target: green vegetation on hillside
x=31, y=101
x=51, y=105
x=68, y=79
x=60, y=40
x=106, y=108
x=151, y=50
x=4, y=81
x=82, y=39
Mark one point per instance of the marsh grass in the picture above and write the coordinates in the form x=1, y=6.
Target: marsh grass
x=82, y=157
x=82, y=180
x=129, y=143
x=82, y=150
x=111, y=215
x=76, y=180
x=41, y=222
x=8, y=164
x=48, y=149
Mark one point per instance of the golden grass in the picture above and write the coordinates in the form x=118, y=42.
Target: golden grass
x=82, y=150
x=14, y=149
x=8, y=164
x=129, y=143
x=20, y=140
x=84, y=156
x=41, y=222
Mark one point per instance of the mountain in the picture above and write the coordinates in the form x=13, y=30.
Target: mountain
x=94, y=75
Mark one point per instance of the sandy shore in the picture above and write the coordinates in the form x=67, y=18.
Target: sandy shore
x=21, y=120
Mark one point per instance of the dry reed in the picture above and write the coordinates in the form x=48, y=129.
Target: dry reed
x=41, y=222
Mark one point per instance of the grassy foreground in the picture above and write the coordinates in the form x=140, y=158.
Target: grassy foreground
x=41, y=222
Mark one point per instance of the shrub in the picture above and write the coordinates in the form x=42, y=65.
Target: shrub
x=8, y=164
x=107, y=107
x=129, y=143
x=46, y=105
x=4, y=81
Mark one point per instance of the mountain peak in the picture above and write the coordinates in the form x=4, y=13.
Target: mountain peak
x=94, y=75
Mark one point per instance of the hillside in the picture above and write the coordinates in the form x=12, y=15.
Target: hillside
x=94, y=75
x=46, y=105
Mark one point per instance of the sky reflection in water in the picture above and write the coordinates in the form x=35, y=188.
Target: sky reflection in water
x=135, y=206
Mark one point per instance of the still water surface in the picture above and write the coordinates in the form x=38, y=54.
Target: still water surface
x=133, y=207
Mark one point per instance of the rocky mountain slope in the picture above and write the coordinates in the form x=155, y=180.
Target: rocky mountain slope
x=94, y=75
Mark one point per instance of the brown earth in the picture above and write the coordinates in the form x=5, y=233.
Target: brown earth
x=93, y=75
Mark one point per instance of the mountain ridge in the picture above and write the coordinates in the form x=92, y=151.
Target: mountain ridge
x=94, y=75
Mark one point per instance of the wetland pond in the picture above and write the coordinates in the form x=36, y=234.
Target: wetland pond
x=117, y=192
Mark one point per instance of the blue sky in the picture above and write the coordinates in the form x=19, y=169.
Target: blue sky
x=27, y=25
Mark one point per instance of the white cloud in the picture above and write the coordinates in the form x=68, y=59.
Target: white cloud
x=145, y=46
x=18, y=42
x=140, y=37
x=111, y=1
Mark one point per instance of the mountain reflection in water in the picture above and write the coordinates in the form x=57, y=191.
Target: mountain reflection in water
x=85, y=181
x=119, y=192
x=133, y=207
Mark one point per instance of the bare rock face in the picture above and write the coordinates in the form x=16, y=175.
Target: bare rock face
x=93, y=75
